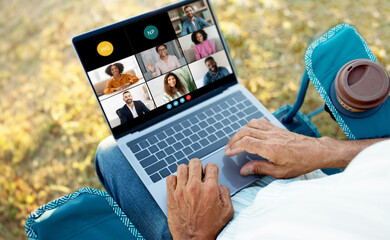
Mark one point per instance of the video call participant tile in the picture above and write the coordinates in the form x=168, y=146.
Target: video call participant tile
x=201, y=44
x=161, y=59
x=171, y=86
x=103, y=49
x=113, y=105
x=150, y=32
x=104, y=79
x=210, y=69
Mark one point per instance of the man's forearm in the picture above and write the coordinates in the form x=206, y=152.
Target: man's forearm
x=336, y=153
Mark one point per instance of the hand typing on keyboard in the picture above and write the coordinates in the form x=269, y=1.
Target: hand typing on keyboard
x=197, y=209
x=289, y=154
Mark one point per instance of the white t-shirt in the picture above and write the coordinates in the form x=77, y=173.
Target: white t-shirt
x=134, y=112
x=354, y=204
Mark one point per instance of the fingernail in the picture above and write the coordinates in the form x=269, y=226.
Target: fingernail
x=227, y=151
x=247, y=170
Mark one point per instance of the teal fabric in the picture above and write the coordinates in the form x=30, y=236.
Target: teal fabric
x=324, y=58
x=86, y=214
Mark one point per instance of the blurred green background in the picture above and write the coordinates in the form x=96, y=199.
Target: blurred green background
x=51, y=124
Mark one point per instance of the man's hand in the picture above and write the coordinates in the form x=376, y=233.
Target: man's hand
x=289, y=154
x=197, y=209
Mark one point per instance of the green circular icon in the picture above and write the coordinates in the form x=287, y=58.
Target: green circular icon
x=151, y=32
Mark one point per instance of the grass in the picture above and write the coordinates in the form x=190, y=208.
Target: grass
x=50, y=123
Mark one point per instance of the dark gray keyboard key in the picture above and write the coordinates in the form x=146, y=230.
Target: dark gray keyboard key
x=201, y=116
x=194, y=137
x=230, y=135
x=216, y=109
x=208, y=113
x=228, y=130
x=193, y=120
x=211, y=121
x=233, y=109
x=231, y=101
x=202, y=134
x=255, y=115
x=177, y=146
x=242, y=122
x=165, y=173
x=224, y=105
x=155, y=167
x=225, y=122
x=240, y=106
x=153, y=149
x=169, y=132
x=209, y=149
x=220, y=134
x=212, y=138
x=195, y=129
x=196, y=146
x=160, y=155
x=233, y=118
x=169, y=150
x=148, y=161
x=240, y=115
x=250, y=110
x=170, y=140
x=218, y=126
x=144, y=144
x=187, y=132
x=143, y=154
x=162, y=144
x=203, y=124
x=210, y=130
x=187, y=150
x=218, y=116
x=247, y=103
x=179, y=136
x=173, y=168
x=186, y=124
x=178, y=128
x=170, y=159
x=155, y=177
x=134, y=148
x=239, y=97
x=183, y=161
x=235, y=127
x=178, y=155
x=204, y=142
x=161, y=136
x=186, y=141
x=226, y=113
x=152, y=140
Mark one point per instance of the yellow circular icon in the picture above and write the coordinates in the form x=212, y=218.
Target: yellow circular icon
x=105, y=48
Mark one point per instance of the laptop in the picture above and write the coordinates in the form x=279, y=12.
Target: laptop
x=169, y=92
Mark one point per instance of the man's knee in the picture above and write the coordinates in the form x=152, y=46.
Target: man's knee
x=104, y=154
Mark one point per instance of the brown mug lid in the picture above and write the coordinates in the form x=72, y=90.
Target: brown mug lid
x=362, y=84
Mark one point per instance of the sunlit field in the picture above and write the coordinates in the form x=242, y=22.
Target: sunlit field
x=51, y=124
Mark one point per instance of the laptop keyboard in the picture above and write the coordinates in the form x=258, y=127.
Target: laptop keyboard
x=195, y=136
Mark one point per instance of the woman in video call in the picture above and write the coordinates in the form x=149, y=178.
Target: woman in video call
x=120, y=80
x=173, y=87
x=203, y=47
x=165, y=64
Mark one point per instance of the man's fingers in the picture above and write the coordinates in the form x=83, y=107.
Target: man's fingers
x=245, y=131
x=211, y=173
x=262, y=168
x=224, y=195
x=182, y=175
x=250, y=145
x=195, y=169
x=171, y=186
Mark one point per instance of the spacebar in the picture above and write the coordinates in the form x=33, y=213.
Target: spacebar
x=209, y=149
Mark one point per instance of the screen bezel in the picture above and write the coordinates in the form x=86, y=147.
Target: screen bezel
x=161, y=113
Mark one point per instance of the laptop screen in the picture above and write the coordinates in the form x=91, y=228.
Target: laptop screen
x=154, y=65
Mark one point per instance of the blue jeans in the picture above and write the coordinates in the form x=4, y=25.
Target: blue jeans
x=122, y=183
